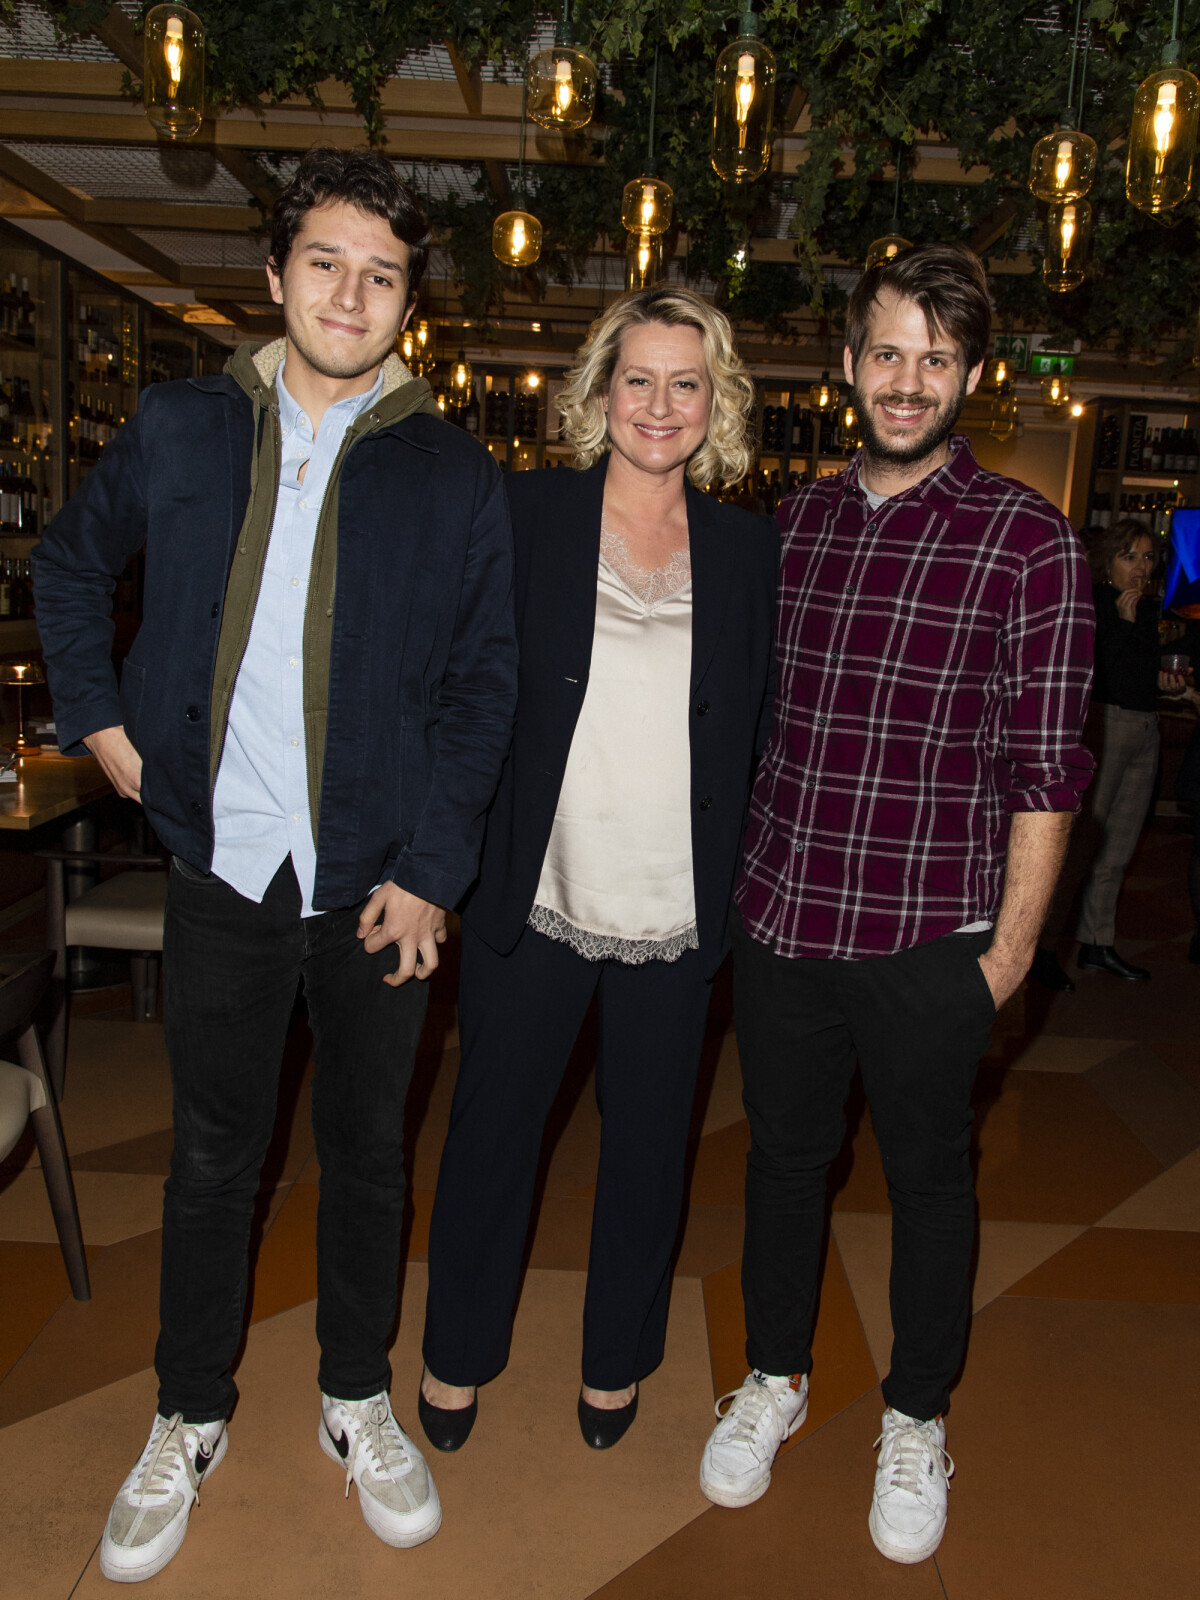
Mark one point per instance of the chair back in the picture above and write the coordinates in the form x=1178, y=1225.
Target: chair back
x=23, y=981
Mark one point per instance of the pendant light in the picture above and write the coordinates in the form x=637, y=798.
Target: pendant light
x=1162, y=136
x=1004, y=413
x=647, y=205
x=424, y=361
x=462, y=378
x=173, y=71
x=517, y=235
x=891, y=244
x=1068, y=238
x=823, y=396
x=743, y=104
x=996, y=372
x=1056, y=392
x=1063, y=163
x=561, y=83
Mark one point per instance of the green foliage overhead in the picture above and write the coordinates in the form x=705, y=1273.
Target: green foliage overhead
x=880, y=76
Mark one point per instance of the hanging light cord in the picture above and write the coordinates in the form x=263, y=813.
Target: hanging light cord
x=1075, y=53
x=896, y=196
x=521, y=152
x=653, y=103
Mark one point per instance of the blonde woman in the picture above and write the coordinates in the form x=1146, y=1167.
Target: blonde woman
x=645, y=617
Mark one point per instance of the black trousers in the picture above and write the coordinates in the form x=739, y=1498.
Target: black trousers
x=519, y=1016
x=917, y=1022
x=230, y=971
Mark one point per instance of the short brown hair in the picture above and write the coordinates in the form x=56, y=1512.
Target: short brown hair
x=361, y=178
x=949, y=284
x=1104, y=545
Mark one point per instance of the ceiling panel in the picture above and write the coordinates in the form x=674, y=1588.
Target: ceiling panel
x=164, y=172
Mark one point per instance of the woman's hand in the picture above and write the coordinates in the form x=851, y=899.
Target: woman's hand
x=1173, y=683
x=1127, y=600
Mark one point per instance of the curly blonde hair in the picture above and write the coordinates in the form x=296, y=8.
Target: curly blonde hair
x=725, y=454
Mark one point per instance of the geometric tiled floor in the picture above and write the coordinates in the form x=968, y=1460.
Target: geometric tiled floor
x=1072, y=1425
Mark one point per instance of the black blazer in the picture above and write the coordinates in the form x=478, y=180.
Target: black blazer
x=735, y=568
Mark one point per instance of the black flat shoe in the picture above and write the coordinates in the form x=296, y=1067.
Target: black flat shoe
x=1047, y=971
x=446, y=1430
x=602, y=1429
x=1104, y=958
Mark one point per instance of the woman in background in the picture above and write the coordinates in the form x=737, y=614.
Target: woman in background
x=645, y=617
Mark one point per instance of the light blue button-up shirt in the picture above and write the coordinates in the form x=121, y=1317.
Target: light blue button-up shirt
x=260, y=803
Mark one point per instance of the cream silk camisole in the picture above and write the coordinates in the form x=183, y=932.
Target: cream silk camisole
x=616, y=883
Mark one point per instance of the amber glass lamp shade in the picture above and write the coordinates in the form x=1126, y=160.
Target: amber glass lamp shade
x=647, y=205
x=996, y=372
x=886, y=249
x=562, y=87
x=461, y=380
x=1062, y=166
x=1004, y=413
x=1068, y=237
x=1162, y=139
x=743, y=106
x=1056, y=392
x=823, y=396
x=643, y=260
x=173, y=71
x=516, y=238
x=406, y=345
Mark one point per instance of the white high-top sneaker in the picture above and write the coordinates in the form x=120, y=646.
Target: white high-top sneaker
x=150, y=1515
x=735, y=1469
x=396, y=1493
x=908, y=1508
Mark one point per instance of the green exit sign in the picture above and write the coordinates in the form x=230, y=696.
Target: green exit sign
x=1015, y=348
x=1046, y=363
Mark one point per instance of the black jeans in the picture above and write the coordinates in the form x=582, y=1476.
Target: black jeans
x=230, y=972
x=917, y=1022
x=519, y=1016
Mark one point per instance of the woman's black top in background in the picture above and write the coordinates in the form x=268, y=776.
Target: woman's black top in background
x=1127, y=653
x=735, y=571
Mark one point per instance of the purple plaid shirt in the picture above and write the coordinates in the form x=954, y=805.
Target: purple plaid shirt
x=935, y=659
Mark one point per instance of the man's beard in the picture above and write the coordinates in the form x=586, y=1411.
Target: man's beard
x=905, y=452
x=336, y=364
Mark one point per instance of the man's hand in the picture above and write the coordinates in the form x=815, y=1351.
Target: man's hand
x=393, y=916
x=121, y=762
x=1004, y=972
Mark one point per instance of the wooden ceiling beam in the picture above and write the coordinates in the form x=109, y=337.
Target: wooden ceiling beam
x=168, y=214
x=116, y=32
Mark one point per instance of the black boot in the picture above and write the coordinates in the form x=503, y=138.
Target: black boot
x=1104, y=958
x=1047, y=971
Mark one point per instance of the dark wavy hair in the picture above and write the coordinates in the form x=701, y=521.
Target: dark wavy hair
x=361, y=178
x=1103, y=545
x=949, y=284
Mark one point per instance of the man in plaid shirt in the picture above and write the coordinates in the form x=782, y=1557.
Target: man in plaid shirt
x=908, y=823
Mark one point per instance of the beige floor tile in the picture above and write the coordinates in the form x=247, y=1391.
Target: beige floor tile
x=724, y=1106
x=1051, y=1052
x=33, y=1284
x=112, y=1206
x=1159, y=1266
x=118, y=1085
x=528, y=1508
x=1154, y=1102
x=1169, y=1201
x=1007, y=1252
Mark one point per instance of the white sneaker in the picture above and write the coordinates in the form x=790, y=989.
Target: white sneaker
x=908, y=1508
x=396, y=1493
x=150, y=1515
x=735, y=1468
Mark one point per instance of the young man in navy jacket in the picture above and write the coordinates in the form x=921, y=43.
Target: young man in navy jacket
x=314, y=716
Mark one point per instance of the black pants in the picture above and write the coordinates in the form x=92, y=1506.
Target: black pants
x=917, y=1022
x=519, y=1016
x=231, y=970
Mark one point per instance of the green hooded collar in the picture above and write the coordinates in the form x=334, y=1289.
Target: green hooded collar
x=254, y=368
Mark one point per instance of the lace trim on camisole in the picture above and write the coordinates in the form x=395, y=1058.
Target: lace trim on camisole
x=650, y=585
x=609, y=946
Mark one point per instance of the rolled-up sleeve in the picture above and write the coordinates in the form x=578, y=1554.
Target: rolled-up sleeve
x=1047, y=654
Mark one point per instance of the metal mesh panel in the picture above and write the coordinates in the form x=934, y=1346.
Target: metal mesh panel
x=30, y=37
x=166, y=172
x=207, y=249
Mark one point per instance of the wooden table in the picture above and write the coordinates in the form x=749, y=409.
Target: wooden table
x=50, y=788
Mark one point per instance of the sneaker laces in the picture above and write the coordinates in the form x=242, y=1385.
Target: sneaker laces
x=165, y=1454
x=378, y=1438
x=750, y=1404
x=905, y=1448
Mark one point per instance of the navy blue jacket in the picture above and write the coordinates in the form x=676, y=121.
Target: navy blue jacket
x=422, y=676
x=735, y=573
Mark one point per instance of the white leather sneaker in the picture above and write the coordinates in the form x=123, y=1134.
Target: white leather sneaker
x=149, y=1517
x=908, y=1508
x=396, y=1493
x=735, y=1469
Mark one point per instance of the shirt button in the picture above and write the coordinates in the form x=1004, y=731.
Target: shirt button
x=810, y=783
x=871, y=526
x=293, y=662
x=799, y=848
x=821, y=721
x=295, y=585
x=835, y=655
x=706, y=802
x=304, y=505
x=702, y=709
x=850, y=589
x=295, y=816
x=192, y=713
x=294, y=743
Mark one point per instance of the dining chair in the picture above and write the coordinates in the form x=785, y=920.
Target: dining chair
x=26, y=1096
x=122, y=912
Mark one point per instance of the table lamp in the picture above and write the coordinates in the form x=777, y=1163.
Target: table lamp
x=22, y=674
